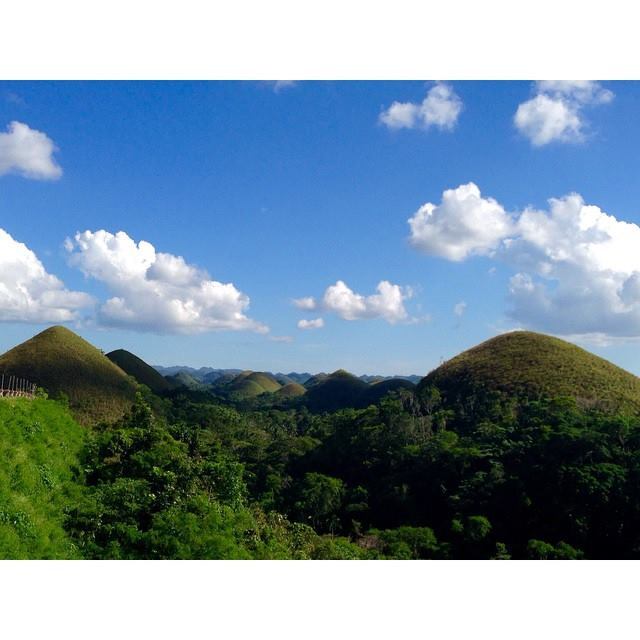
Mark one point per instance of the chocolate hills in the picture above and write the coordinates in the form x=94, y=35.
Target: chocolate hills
x=139, y=369
x=61, y=362
x=529, y=365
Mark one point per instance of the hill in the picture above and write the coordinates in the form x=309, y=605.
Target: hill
x=375, y=392
x=62, y=362
x=527, y=364
x=250, y=384
x=40, y=447
x=291, y=390
x=184, y=379
x=139, y=369
x=335, y=391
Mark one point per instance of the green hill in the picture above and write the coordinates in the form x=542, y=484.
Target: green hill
x=62, y=362
x=291, y=390
x=39, y=448
x=336, y=391
x=378, y=390
x=139, y=369
x=184, y=379
x=250, y=384
x=527, y=364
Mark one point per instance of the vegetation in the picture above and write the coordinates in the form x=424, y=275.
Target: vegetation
x=532, y=365
x=40, y=445
x=67, y=366
x=494, y=455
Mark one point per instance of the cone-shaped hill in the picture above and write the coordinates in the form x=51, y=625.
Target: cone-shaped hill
x=139, y=369
x=291, y=390
x=249, y=384
x=527, y=364
x=335, y=391
x=62, y=362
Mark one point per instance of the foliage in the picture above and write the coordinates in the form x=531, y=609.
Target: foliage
x=39, y=449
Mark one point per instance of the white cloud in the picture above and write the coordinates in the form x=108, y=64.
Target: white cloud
x=387, y=303
x=28, y=293
x=459, y=309
x=306, y=304
x=464, y=223
x=318, y=323
x=440, y=108
x=577, y=268
x=555, y=113
x=28, y=153
x=157, y=291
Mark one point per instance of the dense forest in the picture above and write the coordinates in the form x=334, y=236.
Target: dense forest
x=419, y=473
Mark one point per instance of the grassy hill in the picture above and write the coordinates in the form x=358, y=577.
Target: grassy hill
x=250, y=384
x=335, y=391
x=527, y=364
x=378, y=390
x=39, y=448
x=291, y=390
x=139, y=369
x=62, y=362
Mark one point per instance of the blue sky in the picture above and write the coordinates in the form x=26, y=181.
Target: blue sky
x=285, y=191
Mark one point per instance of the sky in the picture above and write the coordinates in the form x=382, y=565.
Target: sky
x=378, y=227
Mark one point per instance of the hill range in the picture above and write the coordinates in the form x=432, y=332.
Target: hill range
x=520, y=364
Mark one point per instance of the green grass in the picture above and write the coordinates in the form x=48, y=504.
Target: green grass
x=62, y=362
x=139, y=369
x=527, y=364
x=39, y=447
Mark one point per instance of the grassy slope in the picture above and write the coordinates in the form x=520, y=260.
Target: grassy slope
x=529, y=364
x=139, y=369
x=62, y=362
x=39, y=446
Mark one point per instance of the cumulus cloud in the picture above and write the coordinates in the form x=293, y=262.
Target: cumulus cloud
x=464, y=223
x=155, y=291
x=387, y=303
x=28, y=293
x=440, y=108
x=555, y=114
x=577, y=268
x=28, y=153
x=317, y=323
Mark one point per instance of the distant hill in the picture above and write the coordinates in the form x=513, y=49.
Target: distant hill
x=184, y=379
x=291, y=390
x=375, y=392
x=62, y=362
x=139, y=369
x=251, y=383
x=335, y=391
x=527, y=364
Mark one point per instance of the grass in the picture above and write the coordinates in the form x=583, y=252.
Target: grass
x=527, y=364
x=63, y=363
x=39, y=447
